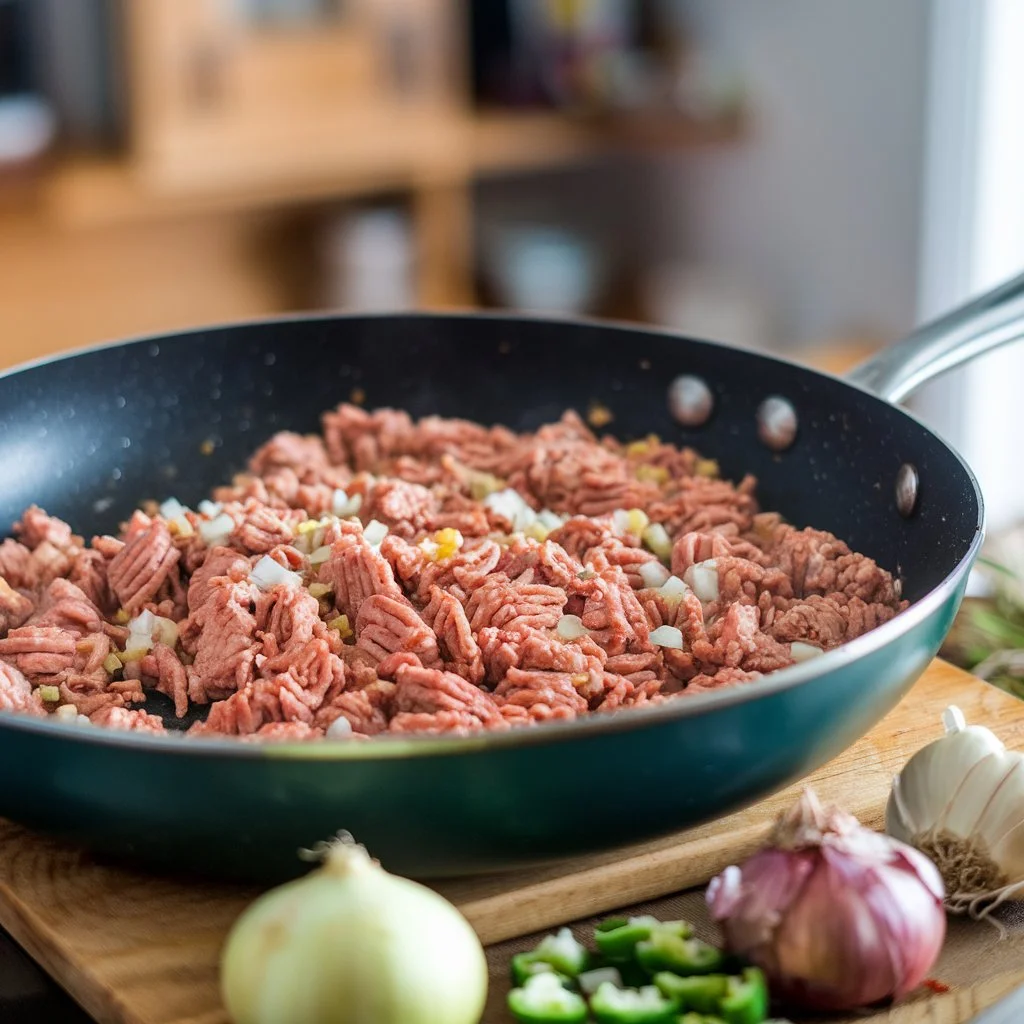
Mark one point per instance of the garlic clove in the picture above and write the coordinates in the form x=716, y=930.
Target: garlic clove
x=930, y=778
x=977, y=796
x=1001, y=824
x=1008, y=851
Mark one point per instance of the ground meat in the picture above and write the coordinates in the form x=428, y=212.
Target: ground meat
x=141, y=568
x=410, y=635
x=389, y=624
x=65, y=605
x=15, y=607
x=42, y=653
x=16, y=692
x=36, y=527
x=458, y=646
x=515, y=606
x=355, y=573
x=226, y=647
x=127, y=719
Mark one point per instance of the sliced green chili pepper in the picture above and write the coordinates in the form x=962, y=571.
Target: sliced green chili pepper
x=619, y=942
x=700, y=992
x=563, y=952
x=611, y=1005
x=664, y=951
x=525, y=965
x=746, y=999
x=698, y=1018
x=543, y=1000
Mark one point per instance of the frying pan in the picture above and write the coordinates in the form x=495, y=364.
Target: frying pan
x=90, y=435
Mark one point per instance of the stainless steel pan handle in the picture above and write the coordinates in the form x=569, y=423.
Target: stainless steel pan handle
x=969, y=331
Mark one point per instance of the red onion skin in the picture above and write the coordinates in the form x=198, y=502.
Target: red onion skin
x=836, y=926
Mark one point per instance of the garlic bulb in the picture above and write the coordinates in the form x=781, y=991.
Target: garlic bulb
x=960, y=801
x=836, y=915
x=349, y=944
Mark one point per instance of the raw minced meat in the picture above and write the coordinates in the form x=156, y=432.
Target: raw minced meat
x=414, y=577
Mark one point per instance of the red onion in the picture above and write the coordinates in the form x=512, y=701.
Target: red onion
x=836, y=915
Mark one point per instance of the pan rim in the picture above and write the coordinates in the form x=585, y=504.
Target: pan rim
x=382, y=748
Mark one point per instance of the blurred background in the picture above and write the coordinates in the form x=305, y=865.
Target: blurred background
x=811, y=177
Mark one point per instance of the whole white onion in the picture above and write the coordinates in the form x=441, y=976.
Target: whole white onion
x=349, y=944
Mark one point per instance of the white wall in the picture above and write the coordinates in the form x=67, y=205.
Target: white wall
x=974, y=230
x=820, y=209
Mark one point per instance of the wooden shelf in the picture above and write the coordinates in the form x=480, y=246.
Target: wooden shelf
x=374, y=156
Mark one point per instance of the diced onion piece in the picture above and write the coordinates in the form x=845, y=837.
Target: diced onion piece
x=320, y=556
x=319, y=590
x=570, y=627
x=210, y=509
x=654, y=574
x=633, y=520
x=374, y=532
x=165, y=631
x=550, y=520
x=667, y=636
x=537, y=531
x=703, y=578
x=49, y=694
x=511, y=505
x=142, y=623
x=339, y=729
x=804, y=652
x=343, y=506
x=67, y=712
x=217, y=530
x=180, y=527
x=267, y=573
x=341, y=624
x=111, y=664
x=172, y=509
x=674, y=589
x=140, y=634
x=483, y=484
x=657, y=540
x=589, y=981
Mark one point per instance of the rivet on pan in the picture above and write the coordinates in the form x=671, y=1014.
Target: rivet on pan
x=776, y=423
x=690, y=401
x=907, y=487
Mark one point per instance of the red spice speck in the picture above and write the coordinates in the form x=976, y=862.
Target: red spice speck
x=935, y=985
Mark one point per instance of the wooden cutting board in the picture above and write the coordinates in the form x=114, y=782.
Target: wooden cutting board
x=132, y=948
